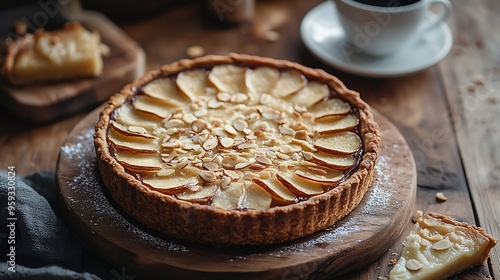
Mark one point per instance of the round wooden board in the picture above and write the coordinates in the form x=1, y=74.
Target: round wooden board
x=355, y=241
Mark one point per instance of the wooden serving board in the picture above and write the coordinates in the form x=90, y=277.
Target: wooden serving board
x=355, y=241
x=44, y=102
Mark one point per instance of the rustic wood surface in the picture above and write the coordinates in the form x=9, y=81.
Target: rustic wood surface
x=446, y=113
x=43, y=102
x=370, y=229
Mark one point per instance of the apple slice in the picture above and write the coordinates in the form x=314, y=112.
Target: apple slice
x=262, y=79
x=329, y=125
x=165, y=89
x=229, y=198
x=331, y=107
x=330, y=178
x=343, y=143
x=276, y=189
x=139, y=162
x=148, y=105
x=256, y=198
x=228, y=78
x=341, y=162
x=126, y=115
x=311, y=94
x=290, y=82
x=123, y=129
x=193, y=82
x=298, y=185
x=201, y=196
x=131, y=144
x=170, y=185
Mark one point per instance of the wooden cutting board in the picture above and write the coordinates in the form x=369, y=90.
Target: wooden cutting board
x=355, y=241
x=44, y=102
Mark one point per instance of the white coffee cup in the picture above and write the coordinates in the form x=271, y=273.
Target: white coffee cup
x=382, y=31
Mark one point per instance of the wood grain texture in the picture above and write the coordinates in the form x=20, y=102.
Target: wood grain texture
x=368, y=231
x=472, y=83
x=42, y=102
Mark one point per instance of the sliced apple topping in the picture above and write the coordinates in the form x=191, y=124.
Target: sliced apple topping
x=333, y=161
x=298, y=185
x=328, y=177
x=311, y=94
x=276, y=189
x=139, y=162
x=132, y=144
x=340, y=143
x=256, y=198
x=334, y=124
x=290, y=82
x=171, y=185
x=228, y=78
x=148, y=105
x=331, y=107
x=193, y=83
x=165, y=89
x=229, y=198
x=126, y=115
x=200, y=196
x=262, y=79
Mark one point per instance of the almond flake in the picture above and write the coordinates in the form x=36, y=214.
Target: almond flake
x=227, y=142
x=181, y=165
x=442, y=245
x=223, y=96
x=189, y=118
x=286, y=149
x=435, y=237
x=307, y=155
x=240, y=125
x=214, y=104
x=263, y=160
x=232, y=174
x=282, y=156
x=257, y=167
x=230, y=129
x=211, y=165
x=441, y=197
x=265, y=175
x=198, y=125
x=170, y=145
x=239, y=97
x=224, y=184
x=207, y=176
x=251, y=176
x=173, y=123
x=211, y=143
x=270, y=115
x=137, y=129
x=241, y=165
x=301, y=135
x=413, y=265
x=200, y=113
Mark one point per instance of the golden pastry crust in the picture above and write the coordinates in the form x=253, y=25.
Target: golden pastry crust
x=212, y=225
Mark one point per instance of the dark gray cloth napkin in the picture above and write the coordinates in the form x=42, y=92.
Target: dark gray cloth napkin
x=44, y=247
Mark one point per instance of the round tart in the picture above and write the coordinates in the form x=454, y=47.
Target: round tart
x=236, y=150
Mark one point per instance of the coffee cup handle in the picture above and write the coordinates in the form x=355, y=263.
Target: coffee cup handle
x=442, y=15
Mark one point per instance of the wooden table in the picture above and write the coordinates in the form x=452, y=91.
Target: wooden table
x=446, y=113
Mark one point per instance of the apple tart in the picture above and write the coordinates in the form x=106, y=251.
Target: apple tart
x=237, y=150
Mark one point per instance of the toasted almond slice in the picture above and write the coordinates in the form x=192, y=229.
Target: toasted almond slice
x=276, y=189
x=335, y=124
x=332, y=177
x=298, y=185
x=165, y=89
x=262, y=79
x=229, y=78
x=200, y=196
x=311, y=94
x=126, y=115
x=126, y=131
x=290, y=82
x=149, y=105
x=331, y=107
x=139, y=162
x=170, y=185
x=193, y=82
x=256, y=198
x=340, y=143
x=340, y=162
x=131, y=144
x=229, y=198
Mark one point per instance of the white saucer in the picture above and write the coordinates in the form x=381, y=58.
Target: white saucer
x=324, y=37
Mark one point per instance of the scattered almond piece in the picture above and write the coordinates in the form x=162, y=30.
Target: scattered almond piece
x=441, y=197
x=195, y=51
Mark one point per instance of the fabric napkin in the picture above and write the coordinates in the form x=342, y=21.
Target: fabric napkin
x=44, y=247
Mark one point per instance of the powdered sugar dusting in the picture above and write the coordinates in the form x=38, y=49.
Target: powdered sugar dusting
x=96, y=208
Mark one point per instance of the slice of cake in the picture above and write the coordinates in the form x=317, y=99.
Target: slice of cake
x=439, y=247
x=237, y=149
x=70, y=52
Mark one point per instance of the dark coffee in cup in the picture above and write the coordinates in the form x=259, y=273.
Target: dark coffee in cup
x=387, y=3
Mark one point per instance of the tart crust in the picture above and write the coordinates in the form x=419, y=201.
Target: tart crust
x=212, y=225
